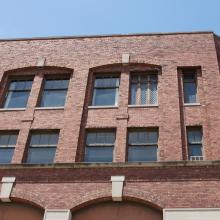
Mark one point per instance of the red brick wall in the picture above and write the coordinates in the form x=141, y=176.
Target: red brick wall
x=81, y=56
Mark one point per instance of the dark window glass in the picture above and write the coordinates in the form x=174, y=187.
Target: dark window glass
x=99, y=146
x=18, y=93
x=194, y=142
x=54, y=93
x=190, y=87
x=142, y=145
x=7, y=146
x=105, y=91
x=42, y=148
x=143, y=89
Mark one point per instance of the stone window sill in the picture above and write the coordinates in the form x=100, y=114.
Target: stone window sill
x=192, y=104
x=103, y=107
x=49, y=108
x=143, y=106
x=11, y=109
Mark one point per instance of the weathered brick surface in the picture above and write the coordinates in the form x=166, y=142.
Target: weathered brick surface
x=85, y=56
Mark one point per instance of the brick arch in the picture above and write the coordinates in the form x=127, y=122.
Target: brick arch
x=129, y=208
x=130, y=194
x=129, y=67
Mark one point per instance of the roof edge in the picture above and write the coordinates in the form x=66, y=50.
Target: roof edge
x=106, y=35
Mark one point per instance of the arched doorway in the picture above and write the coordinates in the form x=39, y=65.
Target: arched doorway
x=20, y=211
x=117, y=211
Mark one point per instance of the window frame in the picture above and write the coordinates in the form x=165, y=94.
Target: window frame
x=14, y=132
x=139, y=74
x=6, y=91
x=103, y=76
x=194, y=72
x=46, y=77
x=99, y=145
x=150, y=129
x=29, y=146
x=195, y=128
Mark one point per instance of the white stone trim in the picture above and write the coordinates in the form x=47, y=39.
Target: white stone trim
x=6, y=189
x=117, y=187
x=191, y=214
x=125, y=58
x=41, y=62
x=57, y=214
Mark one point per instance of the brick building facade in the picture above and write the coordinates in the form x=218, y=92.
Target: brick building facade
x=114, y=127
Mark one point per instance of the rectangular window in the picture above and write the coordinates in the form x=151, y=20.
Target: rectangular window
x=54, y=92
x=105, y=92
x=190, y=86
x=99, y=146
x=7, y=146
x=142, y=145
x=143, y=89
x=42, y=147
x=18, y=93
x=194, y=136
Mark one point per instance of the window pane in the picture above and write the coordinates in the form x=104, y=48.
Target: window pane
x=6, y=155
x=12, y=140
x=144, y=94
x=107, y=82
x=4, y=139
x=153, y=93
x=56, y=84
x=99, y=154
x=141, y=154
x=16, y=99
x=134, y=88
x=28, y=84
x=53, y=139
x=152, y=137
x=91, y=138
x=41, y=155
x=133, y=137
x=53, y=98
x=104, y=97
x=143, y=137
x=195, y=136
x=35, y=139
x=195, y=150
x=44, y=139
x=190, y=92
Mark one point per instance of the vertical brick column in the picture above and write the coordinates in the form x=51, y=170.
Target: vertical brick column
x=122, y=118
x=27, y=120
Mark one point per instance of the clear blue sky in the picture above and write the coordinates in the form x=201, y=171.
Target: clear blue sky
x=42, y=18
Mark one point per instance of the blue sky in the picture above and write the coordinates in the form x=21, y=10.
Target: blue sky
x=42, y=18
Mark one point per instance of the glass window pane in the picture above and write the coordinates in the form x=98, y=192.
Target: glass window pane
x=133, y=137
x=28, y=84
x=190, y=92
x=107, y=82
x=16, y=100
x=53, y=139
x=142, y=154
x=44, y=139
x=152, y=137
x=12, y=85
x=12, y=140
x=20, y=85
x=195, y=136
x=195, y=150
x=53, y=98
x=134, y=88
x=6, y=155
x=99, y=154
x=4, y=139
x=41, y=155
x=65, y=83
x=143, y=137
x=49, y=84
x=144, y=94
x=153, y=93
x=104, y=97
x=35, y=139
x=100, y=138
x=109, y=137
x=91, y=138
